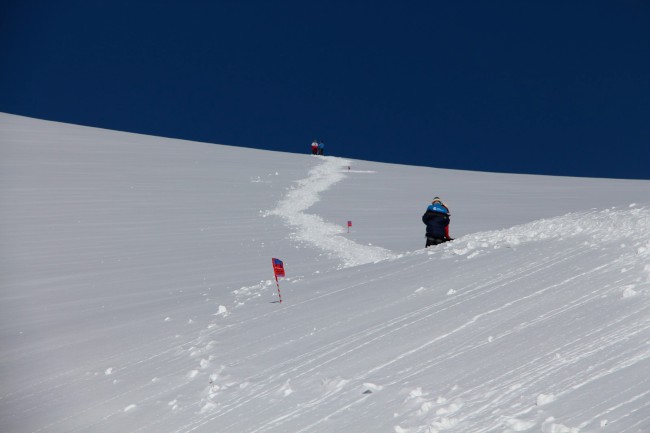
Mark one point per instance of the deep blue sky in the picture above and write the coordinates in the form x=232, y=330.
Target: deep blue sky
x=552, y=87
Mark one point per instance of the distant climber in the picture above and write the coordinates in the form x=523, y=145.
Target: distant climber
x=314, y=147
x=321, y=148
x=437, y=220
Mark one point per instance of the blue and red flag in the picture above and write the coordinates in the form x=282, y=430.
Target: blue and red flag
x=278, y=268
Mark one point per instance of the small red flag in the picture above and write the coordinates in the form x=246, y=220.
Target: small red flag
x=349, y=223
x=278, y=268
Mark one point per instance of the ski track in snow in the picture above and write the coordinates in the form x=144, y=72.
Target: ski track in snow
x=596, y=227
x=424, y=410
x=312, y=229
x=430, y=412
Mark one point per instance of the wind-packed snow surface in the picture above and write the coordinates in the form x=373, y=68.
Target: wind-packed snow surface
x=137, y=293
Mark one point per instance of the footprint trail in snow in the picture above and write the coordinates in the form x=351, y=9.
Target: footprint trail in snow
x=312, y=228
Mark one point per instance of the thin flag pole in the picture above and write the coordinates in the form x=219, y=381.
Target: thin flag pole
x=278, y=284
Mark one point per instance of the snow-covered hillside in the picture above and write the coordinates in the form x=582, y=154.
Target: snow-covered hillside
x=137, y=293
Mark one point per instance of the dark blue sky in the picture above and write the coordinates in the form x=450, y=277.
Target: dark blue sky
x=552, y=87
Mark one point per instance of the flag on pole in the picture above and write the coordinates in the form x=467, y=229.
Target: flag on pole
x=278, y=268
x=349, y=225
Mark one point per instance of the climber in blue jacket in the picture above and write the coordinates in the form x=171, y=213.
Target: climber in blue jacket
x=437, y=220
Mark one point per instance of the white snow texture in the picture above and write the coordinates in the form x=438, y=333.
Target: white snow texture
x=137, y=293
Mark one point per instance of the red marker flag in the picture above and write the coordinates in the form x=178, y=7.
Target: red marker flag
x=278, y=268
x=349, y=225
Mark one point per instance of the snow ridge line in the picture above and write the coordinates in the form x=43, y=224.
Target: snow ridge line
x=312, y=229
x=630, y=226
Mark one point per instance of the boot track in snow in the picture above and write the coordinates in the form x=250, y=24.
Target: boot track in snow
x=312, y=229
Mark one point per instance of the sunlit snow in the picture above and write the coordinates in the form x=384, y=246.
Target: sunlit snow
x=137, y=292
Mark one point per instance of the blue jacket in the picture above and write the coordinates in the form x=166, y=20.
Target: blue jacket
x=438, y=207
x=437, y=220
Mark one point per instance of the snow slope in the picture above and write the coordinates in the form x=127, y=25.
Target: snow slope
x=137, y=293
